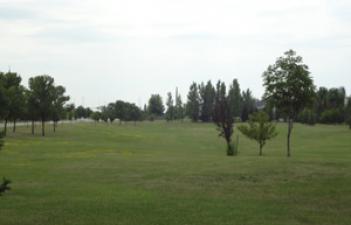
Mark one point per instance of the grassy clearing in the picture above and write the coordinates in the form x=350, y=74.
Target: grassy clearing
x=175, y=173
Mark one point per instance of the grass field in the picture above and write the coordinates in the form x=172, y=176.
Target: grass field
x=176, y=173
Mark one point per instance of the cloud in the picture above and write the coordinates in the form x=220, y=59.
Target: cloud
x=127, y=45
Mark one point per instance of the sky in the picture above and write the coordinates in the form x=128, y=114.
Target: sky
x=104, y=50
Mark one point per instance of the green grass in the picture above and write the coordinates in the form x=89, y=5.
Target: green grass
x=175, y=173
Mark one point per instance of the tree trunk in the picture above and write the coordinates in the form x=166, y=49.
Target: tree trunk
x=260, y=149
x=290, y=126
x=32, y=127
x=54, y=126
x=5, y=127
x=14, y=126
x=42, y=128
x=230, y=151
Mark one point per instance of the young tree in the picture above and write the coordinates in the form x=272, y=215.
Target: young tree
x=170, y=107
x=223, y=117
x=235, y=99
x=259, y=129
x=193, y=104
x=43, y=91
x=289, y=87
x=156, y=106
x=207, y=98
x=59, y=100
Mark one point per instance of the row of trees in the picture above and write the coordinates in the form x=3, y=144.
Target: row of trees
x=123, y=111
x=202, y=98
x=288, y=88
x=330, y=106
x=42, y=100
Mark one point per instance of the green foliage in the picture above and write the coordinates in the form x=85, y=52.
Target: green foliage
x=12, y=97
x=124, y=111
x=170, y=113
x=207, y=97
x=179, y=111
x=96, y=116
x=223, y=117
x=193, y=104
x=82, y=112
x=259, y=129
x=43, y=92
x=289, y=87
x=248, y=105
x=332, y=116
x=156, y=106
x=235, y=98
x=59, y=100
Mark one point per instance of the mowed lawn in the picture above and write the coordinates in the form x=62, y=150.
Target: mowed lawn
x=175, y=173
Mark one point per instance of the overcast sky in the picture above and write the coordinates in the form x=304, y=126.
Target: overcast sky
x=104, y=50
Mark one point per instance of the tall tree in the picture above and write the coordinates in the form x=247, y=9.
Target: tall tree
x=259, y=129
x=289, y=87
x=170, y=107
x=207, y=98
x=59, y=100
x=235, y=99
x=248, y=105
x=31, y=111
x=193, y=104
x=14, y=97
x=179, y=108
x=43, y=91
x=156, y=106
x=223, y=117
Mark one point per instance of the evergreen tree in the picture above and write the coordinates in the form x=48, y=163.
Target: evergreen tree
x=207, y=98
x=248, y=105
x=223, y=117
x=179, y=108
x=235, y=98
x=193, y=104
x=170, y=107
x=156, y=106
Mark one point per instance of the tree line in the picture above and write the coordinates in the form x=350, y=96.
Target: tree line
x=43, y=100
